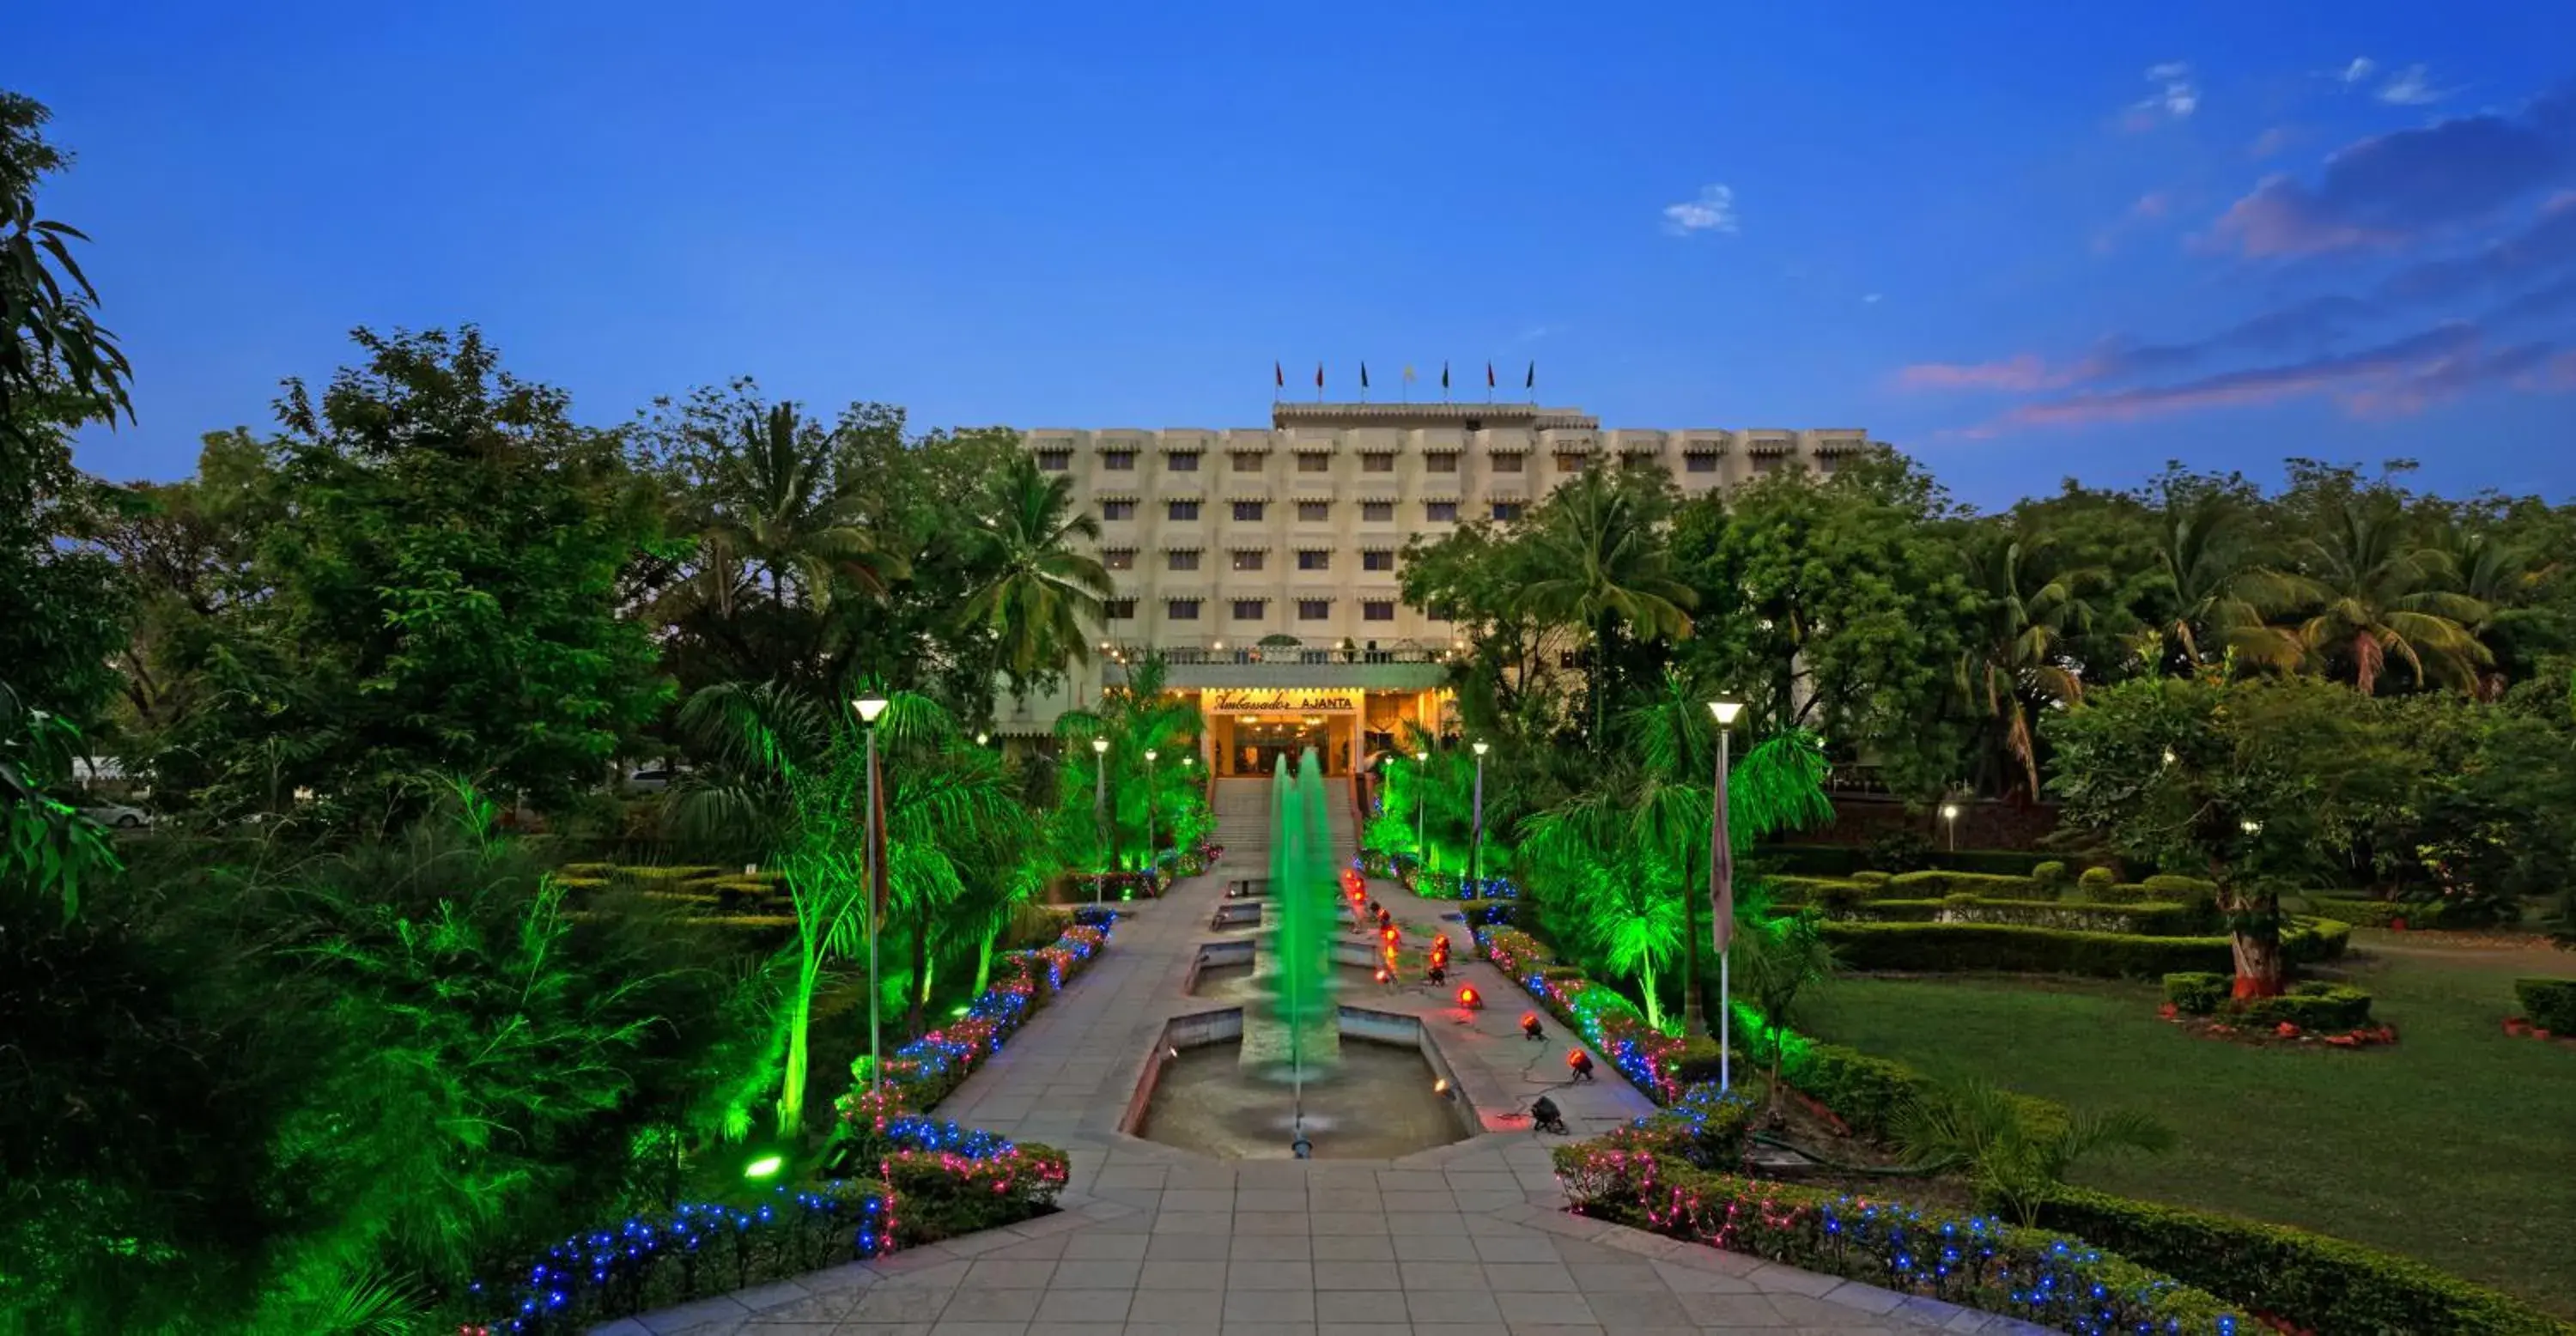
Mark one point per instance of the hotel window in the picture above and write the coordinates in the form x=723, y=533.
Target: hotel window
x=1180, y=510
x=1249, y=609
x=1314, y=511
x=1247, y=510
x=1314, y=561
x=1124, y=461
x=1442, y=612
x=1507, y=510
x=1119, y=609
x=1377, y=610
x=1314, y=609
x=1507, y=463
x=1119, y=559
x=1247, y=461
x=1117, y=510
x=1181, y=561
x=1377, y=512
x=1377, y=463
x=1441, y=461
x=1249, y=561
x=1055, y=461
x=1440, y=512
x=1311, y=462
x=1569, y=463
x=1825, y=463
x=1377, y=561
x=1181, y=609
x=1185, y=462
x=1765, y=464
x=1699, y=463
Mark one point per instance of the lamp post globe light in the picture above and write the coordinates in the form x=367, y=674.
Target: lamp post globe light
x=1950, y=820
x=1421, y=811
x=1100, y=809
x=869, y=707
x=1721, y=889
x=1152, y=863
x=1476, y=843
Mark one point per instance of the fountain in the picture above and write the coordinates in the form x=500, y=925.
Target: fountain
x=1308, y=1077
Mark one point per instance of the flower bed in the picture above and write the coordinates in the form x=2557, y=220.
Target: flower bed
x=2143, y=919
x=921, y=1073
x=1611, y=1023
x=1972, y=1261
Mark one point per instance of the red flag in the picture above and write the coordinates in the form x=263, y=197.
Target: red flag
x=1319, y=375
x=1278, y=376
x=1489, y=375
x=1530, y=381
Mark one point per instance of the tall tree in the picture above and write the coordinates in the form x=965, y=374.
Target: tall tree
x=2015, y=665
x=2373, y=592
x=1045, y=586
x=1606, y=568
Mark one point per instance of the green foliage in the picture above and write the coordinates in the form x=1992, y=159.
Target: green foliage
x=2093, y=881
x=2145, y=919
x=2014, y=1159
x=1942, y=948
x=2309, y=1280
x=938, y=1198
x=2330, y=1008
x=2415, y=914
x=2549, y=1004
x=2050, y=877
x=1928, y=885
x=2195, y=993
x=1046, y=590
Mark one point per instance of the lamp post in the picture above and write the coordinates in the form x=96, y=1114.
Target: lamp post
x=1476, y=844
x=1422, y=810
x=1721, y=891
x=1100, y=809
x=1150, y=862
x=1950, y=821
x=869, y=707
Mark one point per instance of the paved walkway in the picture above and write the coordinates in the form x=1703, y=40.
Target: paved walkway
x=1463, y=1240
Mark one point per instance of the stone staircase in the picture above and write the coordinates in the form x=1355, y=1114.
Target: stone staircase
x=1243, y=823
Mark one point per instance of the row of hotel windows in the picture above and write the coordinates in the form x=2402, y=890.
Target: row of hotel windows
x=1246, y=559
x=1375, y=512
x=1253, y=461
x=1252, y=609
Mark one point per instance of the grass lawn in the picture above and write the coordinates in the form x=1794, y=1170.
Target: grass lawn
x=2457, y=1145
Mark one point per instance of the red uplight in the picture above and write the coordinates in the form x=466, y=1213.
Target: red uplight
x=1467, y=998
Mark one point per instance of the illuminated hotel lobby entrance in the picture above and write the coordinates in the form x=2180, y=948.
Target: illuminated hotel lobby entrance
x=1249, y=729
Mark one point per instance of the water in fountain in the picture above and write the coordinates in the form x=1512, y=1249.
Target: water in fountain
x=1290, y=1034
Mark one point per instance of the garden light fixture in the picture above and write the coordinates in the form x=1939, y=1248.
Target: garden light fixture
x=1721, y=892
x=869, y=707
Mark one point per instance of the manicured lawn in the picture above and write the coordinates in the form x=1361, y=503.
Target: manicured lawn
x=2457, y=1145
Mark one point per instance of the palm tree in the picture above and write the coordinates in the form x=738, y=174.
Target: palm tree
x=1044, y=587
x=2015, y=1153
x=2372, y=593
x=2220, y=598
x=1613, y=574
x=1138, y=717
x=2014, y=660
x=2502, y=577
x=780, y=502
x=1777, y=959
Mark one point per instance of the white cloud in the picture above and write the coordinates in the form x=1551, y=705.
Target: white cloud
x=2360, y=69
x=2171, y=69
x=1871, y=298
x=1713, y=211
x=2409, y=88
x=2179, y=99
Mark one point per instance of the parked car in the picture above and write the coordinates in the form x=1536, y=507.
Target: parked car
x=652, y=778
x=120, y=815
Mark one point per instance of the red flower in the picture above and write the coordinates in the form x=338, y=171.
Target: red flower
x=2287, y=1030
x=2166, y=1011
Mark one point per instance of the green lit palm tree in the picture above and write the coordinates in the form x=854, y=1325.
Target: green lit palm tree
x=1045, y=586
x=2372, y=594
x=2015, y=660
x=1140, y=716
x=1612, y=575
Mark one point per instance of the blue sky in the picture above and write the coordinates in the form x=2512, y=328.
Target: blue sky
x=2020, y=240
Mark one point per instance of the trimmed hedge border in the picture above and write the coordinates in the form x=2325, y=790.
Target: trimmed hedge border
x=2145, y=919
x=1639, y=1177
x=2310, y=1281
x=2315, y=1005
x=1938, y=948
x=2549, y=1004
x=2414, y=914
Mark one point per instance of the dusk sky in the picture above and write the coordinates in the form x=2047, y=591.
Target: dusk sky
x=2018, y=240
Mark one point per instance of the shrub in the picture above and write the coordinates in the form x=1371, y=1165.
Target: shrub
x=2095, y=880
x=1810, y=890
x=2315, y=1005
x=2549, y=1004
x=1614, y=1027
x=2050, y=876
x=1935, y=948
x=2439, y=914
x=2306, y=1280
x=1974, y=1262
x=940, y=1194
x=1873, y=880
x=2197, y=993
x=2118, y=893
x=1901, y=851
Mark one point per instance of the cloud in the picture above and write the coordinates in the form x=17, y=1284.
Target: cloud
x=2358, y=70
x=2025, y=372
x=1871, y=298
x=2393, y=188
x=2409, y=88
x=1713, y=211
x=2527, y=364
x=2272, y=141
x=2176, y=99
x=2307, y=327
x=2545, y=247
x=2147, y=208
x=2415, y=355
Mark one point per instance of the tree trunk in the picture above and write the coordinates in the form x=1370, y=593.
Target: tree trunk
x=984, y=962
x=1654, y=1004
x=2258, y=962
x=920, y=970
x=1694, y=1011
x=800, y=1020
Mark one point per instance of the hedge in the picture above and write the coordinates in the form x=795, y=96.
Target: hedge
x=1649, y=1058
x=2143, y=920
x=2314, y=1005
x=1934, y=885
x=2549, y=1004
x=2390, y=913
x=2309, y=1281
x=1973, y=1261
x=1936, y=948
x=1842, y=860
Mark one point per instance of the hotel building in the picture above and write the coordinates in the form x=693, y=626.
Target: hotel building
x=1262, y=562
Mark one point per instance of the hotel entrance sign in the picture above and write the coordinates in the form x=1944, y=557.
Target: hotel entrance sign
x=1243, y=700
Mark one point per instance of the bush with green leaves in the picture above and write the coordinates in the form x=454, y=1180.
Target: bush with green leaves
x=2095, y=880
x=2014, y=1159
x=2549, y=1004
x=1949, y=948
x=2196, y=992
x=2051, y=876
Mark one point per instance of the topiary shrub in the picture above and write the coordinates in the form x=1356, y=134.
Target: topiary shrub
x=1873, y=879
x=2315, y=1005
x=2094, y=881
x=2194, y=993
x=1838, y=898
x=2549, y=1004
x=2050, y=876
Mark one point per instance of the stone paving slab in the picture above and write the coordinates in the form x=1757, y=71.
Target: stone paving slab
x=1468, y=1239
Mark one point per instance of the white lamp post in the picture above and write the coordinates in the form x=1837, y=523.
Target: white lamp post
x=1150, y=861
x=1421, y=812
x=1476, y=844
x=1950, y=820
x=1721, y=892
x=869, y=707
x=1100, y=809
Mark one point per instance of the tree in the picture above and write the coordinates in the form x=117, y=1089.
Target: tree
x=2259, y=785
x=2216, y=598
x=1605, y=568
x=1135, y=718
x=2372, y=593
x=440, y=598
x=1045, y=586
x=50, y=340
x=1778, y=959
x=2014, y=663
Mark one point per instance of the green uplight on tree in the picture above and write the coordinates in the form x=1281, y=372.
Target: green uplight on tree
x=767, y=1166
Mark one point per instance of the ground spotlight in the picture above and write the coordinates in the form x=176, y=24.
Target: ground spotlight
x=1581, y=1062
x=1469, y=998
x=1531, y=1027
